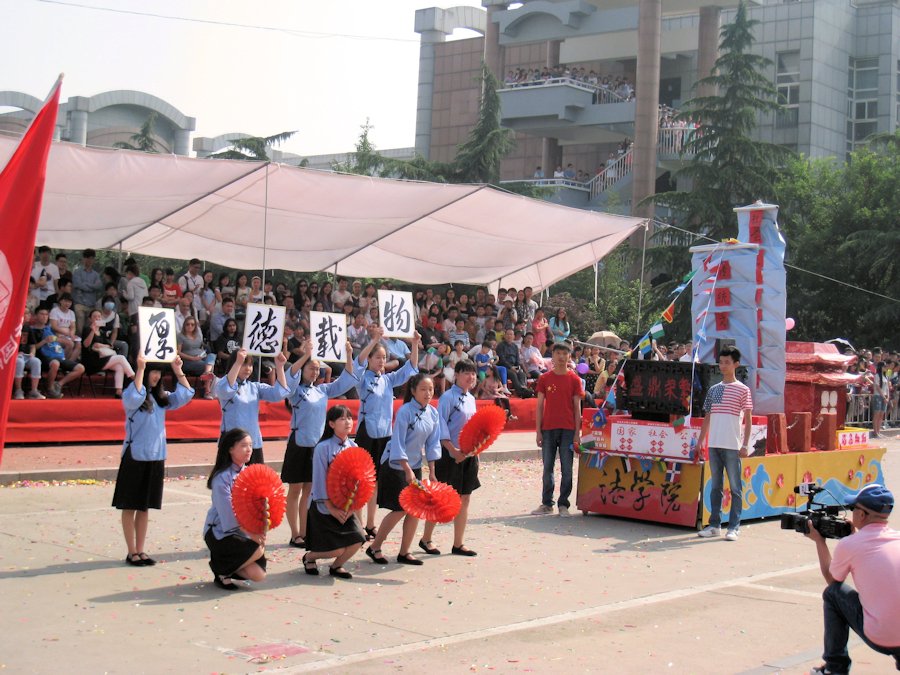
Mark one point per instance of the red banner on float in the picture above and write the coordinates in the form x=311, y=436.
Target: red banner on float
x=21, y=194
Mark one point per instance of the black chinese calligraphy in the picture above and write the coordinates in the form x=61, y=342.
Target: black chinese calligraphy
x=328, y=337
x=396, y=316
x=263, y=333
x=158, y=342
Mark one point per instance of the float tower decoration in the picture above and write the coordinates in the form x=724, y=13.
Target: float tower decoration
x=739, y=294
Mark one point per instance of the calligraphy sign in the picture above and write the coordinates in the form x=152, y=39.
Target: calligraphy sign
x=329, y=336
x=156, y=332
x=395, y=308
x=263, y=329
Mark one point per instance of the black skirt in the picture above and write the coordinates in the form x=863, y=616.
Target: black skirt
x=375, y=446
x=229, y=554
x=462, y=476
x=297, y=467
x=324, y=532
x=139, y=485
x=390, y=484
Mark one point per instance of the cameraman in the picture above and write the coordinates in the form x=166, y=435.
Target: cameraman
x=872, y=555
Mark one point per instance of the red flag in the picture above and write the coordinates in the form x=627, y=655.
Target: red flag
x=21, y=194
x=669, y=314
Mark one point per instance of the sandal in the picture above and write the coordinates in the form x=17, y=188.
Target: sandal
x=146, y=559
x=407, y=559
x=339, y=572
x=428, y=548
x=371, y=533
x=462, y=550
x=376, y=556
x=293, y=542
x=134, y=559
x=313, y=570
x=225, y=583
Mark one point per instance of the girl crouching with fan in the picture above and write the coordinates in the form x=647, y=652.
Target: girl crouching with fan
x=234, y=553
x=139, y=483
x=416, y=437
x=332, y=529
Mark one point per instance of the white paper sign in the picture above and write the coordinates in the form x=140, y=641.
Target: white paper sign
x=329, y=336
x=395, y=311
x=156, y=332
x=263, y=329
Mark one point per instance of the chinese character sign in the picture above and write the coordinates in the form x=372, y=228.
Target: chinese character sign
x=396, y=311
x=156, y=332
x=329, y=336
x=263, y=329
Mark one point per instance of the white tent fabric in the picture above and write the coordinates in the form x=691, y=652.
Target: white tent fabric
x=253, y=215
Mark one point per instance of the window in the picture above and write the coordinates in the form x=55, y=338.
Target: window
x=787, y=82
x=862, y=101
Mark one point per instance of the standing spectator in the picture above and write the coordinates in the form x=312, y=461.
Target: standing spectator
x=727, y=404
x=45, y=273
x=241, y=296
x=559, y=326
x=171, y=289
x=135, y=290
x=62, y=264
x=538, y=174
x=257, y=294
x=558, y=427
x=880, y=396
x=86, y=287
x=340, y=296
x=192, y=281
x=540, y=327
x=325, y=297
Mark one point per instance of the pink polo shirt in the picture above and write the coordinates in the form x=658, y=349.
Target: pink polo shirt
x=872, y=555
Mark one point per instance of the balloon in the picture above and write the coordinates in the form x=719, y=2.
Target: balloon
x=582, y=368
x=788, y=323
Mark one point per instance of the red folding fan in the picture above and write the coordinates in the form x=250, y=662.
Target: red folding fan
x=482, y=430
x=258, y=499
x=430, y=500
x=351, y=479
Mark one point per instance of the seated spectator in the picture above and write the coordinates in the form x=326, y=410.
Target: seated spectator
x=241, y=295
x=184, y=310
x=256, y=293
x=397, y=350
x=459, y=333
x=155, y=294
x=220, y=316
x=226, y=344
x=458, y=354
x=198, y=361
x=491, y=388
x=62, y=321
x=431, y=332
x=53, y=356
x=508, y=357
x=99, y=353
x=531, y=358
x=26, y=359
x=62, y=286
x=358, y=333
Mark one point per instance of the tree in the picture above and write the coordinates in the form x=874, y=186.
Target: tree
x=143, y=140
x=252, y=148
x=840, y=222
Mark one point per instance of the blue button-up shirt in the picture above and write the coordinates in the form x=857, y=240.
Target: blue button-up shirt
x=323, y=456
x=455, y=407
x=376, y=396
x=309, y=405
x=240, y=404
x=145, y=430
x=220, y=516
x=417, y=434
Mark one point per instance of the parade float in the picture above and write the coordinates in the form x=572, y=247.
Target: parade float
x=646, y=464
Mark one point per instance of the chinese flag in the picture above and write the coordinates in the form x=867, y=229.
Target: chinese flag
x=669, y=314
x=21, y=192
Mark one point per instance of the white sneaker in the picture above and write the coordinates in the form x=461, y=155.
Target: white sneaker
x=36, y=395
x=564, y=511
x=731, y=535
x=18, y=395
x=709, y=531
x=542, y=510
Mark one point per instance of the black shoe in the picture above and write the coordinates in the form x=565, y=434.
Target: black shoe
x=309, y=566
x=407, y=559
x=460, y=550
x=371, y=533
x=293, y=542
x=376, y=556
x=220, y=583
x=134, y=559
x=430, y=551
x=146, y=559
x=339, y=572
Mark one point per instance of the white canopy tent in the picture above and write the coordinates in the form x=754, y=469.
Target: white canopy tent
x=261, y=215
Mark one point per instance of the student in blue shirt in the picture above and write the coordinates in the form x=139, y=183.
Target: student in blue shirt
x=376, y=405
x=233, y=553
x=416, y=438
x=332, y=532
x=455, y=408
x=239, y=397
x=139, y=482
x=308, y=404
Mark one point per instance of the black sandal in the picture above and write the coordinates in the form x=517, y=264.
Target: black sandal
x=460, y=550
x=339, y=572
x=371, y=533
x=376, y=556
x=134, y=559
x=424, y=545
x=407, y=559
x=312, y=571
x=220, y=583
x=293, y=542
x=146, y=559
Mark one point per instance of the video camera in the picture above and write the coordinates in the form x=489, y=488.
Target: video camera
x=825, y=518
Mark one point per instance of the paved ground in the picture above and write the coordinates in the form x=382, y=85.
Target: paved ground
x=545, y=594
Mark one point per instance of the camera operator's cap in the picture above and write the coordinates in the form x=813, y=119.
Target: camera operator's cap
x=874, y=497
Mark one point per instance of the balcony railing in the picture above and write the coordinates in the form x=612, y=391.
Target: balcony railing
x=601, y=95
x=611, y=174
x=672, y=140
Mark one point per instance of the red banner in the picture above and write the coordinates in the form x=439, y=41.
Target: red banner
x=21, y=194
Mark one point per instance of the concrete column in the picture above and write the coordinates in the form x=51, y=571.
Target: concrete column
x=78, y=119
x=707, y=46
x=552, y=53
x=646, y=122
x=182, y=142
x=425, y=103
x=549, y=156
x=493, y=52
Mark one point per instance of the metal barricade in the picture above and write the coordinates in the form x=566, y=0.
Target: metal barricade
x=859, y=410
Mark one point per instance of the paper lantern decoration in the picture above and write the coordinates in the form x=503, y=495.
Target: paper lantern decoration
x=350, y=482
x=482, y=430
x=430, y=500
x=258, y=499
